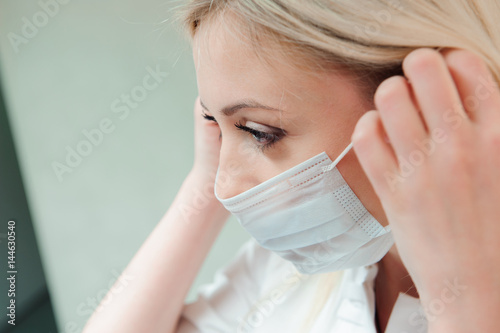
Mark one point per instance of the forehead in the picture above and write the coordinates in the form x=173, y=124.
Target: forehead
x=219, y=44
x=225, y=58
x=228, y=69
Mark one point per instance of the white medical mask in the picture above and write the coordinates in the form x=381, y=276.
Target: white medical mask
x=310, y=216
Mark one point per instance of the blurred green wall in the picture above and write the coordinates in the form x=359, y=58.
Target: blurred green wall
x=31, y=310
x=67, y=68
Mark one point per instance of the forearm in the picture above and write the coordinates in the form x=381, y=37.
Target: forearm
x=165, y=266
x=473, y=308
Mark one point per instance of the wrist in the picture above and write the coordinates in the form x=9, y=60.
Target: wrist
x=200, y=174
x=202, y=171
x=464, y=307
x=196, y=199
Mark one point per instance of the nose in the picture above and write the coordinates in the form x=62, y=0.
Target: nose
x=237, y=171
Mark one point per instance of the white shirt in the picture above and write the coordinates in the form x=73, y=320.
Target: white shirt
x=260, y=292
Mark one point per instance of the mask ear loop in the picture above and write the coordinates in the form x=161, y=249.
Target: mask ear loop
x=215, y=184
x=337, y=160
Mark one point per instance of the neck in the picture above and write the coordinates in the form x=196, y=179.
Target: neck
x=392, y=278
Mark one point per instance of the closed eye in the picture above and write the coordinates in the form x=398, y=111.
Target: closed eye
x=263, y=139
x=211, y=118
x=208, y=117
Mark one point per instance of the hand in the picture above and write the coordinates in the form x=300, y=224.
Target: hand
x=206, y=144
x=432, y=154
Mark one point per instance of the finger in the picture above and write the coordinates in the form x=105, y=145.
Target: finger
x=197, y=108
x=373, y=152
x=201, y=123
x=400, y=117
x=206, y=132
x=478, y=90
x=435, y=91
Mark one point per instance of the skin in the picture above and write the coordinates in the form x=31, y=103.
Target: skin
x=318, y=114
x=443, y=212
x=314, y=118
x=456, y=237
x=325, y=113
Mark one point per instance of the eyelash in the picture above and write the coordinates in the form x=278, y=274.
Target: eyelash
x=209, y=118
x=258, y=135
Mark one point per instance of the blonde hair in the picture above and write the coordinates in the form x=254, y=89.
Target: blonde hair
x=369, y=39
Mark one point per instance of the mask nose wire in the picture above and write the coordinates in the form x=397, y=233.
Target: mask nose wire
x=325, y=169
x=337, y=160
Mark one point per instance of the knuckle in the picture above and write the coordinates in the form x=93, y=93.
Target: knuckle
x=365, y=129
x=493, y=141
x=459, y=157
x=197, y=102
x=389, y=90
x=460, y=59
x=419, y=60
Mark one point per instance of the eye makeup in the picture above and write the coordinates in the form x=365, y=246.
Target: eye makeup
x=264, y=136
x=264, y=139
x=208, y=117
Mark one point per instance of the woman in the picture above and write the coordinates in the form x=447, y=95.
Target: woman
x=285, y=87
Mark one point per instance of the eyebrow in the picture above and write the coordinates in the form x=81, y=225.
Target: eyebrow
x=246, y=104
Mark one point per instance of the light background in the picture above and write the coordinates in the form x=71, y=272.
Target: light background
x=63, y=81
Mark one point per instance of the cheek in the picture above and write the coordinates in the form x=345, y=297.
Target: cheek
x=333, y=131
x=241, y=166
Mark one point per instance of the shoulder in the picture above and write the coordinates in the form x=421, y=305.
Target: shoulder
x=252, y=274
x=256, y=269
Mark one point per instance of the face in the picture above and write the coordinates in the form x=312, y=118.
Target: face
x=272, y=119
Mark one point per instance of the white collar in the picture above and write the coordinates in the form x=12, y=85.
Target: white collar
x=407, y=313
x=356, y=310
x=407, y=316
